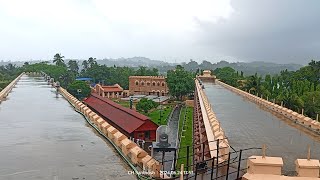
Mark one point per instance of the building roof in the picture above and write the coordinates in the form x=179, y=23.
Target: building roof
x=153, y=77
x=112, y=89
x=127, y=119
x=84, y=79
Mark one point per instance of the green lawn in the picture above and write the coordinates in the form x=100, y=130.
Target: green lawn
x=155, y=115
x=124, y=103
x=186, y=138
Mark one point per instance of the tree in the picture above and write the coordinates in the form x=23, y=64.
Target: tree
x=144, y=105
x=84, y=65
x=58, y=59
x=92, y=61
x=73, y=66
x=312, y=103
x=180, y=82
x=75, y=86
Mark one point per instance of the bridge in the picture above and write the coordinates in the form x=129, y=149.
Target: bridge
x=229, y=128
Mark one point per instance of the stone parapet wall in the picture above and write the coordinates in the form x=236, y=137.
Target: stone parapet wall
x=4, y=93
x=294, y=116
x=213, y=128
x=128, y=148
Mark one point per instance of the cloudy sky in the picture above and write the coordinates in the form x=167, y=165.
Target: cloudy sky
x=171, y=30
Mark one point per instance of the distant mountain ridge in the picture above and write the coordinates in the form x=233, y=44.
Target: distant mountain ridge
x=248, y=68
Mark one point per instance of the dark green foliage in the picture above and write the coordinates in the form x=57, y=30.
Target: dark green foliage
x=180, y=82
x=79, y=85
x=295, y=89
x=144, y=105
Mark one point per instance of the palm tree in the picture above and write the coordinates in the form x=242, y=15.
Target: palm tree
x=58, y=59
x=92, y=61
x=73, y=66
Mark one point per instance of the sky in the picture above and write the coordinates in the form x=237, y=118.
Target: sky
x=283, y=31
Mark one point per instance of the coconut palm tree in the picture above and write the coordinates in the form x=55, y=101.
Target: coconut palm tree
x=58, y=59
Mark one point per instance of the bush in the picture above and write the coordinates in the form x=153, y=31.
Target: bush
x=145, y=105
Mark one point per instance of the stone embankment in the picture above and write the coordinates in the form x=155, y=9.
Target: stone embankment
x=4, y=93
x=307, y=122
x=125, y=146
x=214, y=131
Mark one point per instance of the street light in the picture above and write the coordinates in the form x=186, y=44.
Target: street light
x=78, y=93
x=160, y=110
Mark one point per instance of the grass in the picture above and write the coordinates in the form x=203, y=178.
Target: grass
x=185, y=123
x=155, y=115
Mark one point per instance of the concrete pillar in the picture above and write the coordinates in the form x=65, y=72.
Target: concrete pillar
x=302, y=111
x=307, y=168
x=264, y=165
x=317, y=117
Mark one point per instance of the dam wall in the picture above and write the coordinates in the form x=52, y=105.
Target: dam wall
x=214, y=131
x=5, y=92
x=128, y=148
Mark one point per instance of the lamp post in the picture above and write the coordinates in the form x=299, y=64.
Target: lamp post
x=160, y=115
x=79, y=93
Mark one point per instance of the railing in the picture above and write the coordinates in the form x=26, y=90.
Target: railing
x=213, y=168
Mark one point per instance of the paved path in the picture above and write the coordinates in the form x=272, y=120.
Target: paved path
x=173, y=125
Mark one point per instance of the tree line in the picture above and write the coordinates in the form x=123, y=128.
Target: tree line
x=296, y=90
x=180, y=81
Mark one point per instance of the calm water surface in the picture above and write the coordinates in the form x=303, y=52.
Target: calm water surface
x=248, y=125
x=42, y=137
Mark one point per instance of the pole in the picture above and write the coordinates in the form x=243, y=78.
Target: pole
x=302, y=111
x=239, y=164
x=317, y=117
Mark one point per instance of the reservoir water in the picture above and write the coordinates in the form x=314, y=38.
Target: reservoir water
x=42, y=137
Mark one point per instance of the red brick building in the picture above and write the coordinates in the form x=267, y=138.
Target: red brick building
x=148, y=85
x=127, y=121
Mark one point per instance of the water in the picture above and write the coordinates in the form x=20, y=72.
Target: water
x=42, y=137
x=248, y=125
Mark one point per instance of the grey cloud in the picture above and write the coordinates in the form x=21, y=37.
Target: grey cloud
x=269, y=30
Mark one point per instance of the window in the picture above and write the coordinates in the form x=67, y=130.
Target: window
x=153, y=83
x=148, y=83
x=147, y=134
x=142, y=83
x=158, y=84
x=137, y=83
x=162, y=84
x=140, y=135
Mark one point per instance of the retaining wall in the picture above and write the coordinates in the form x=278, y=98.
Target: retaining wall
x=213, y=128
x=4, y=93
x=128, y=148
x=294, y=116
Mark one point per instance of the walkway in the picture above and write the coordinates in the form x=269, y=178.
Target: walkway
x=42, y=137
x=173, y=125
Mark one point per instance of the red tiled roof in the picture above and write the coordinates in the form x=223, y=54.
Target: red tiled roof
x=127, y=119
x=111, y=89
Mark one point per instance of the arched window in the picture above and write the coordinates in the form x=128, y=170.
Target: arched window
x=137, y=83
x=142, y=83
x=158, y=83
x=148, y=83
x=153, y=83
x=162, y=84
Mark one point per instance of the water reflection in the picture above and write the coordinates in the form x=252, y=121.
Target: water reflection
x=42, y=137
x=248, y=125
